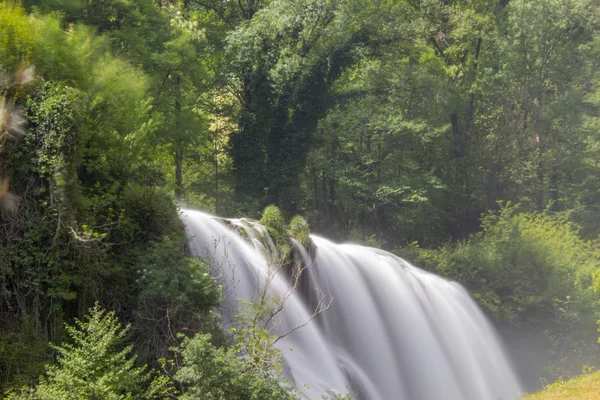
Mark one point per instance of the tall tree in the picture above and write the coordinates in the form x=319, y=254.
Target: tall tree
x=285, y=61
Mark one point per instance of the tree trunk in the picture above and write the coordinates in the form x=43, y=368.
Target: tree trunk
x=216, y=165
x=178, y=150
x=178, y=170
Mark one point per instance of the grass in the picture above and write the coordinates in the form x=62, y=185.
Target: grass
x=585, y=387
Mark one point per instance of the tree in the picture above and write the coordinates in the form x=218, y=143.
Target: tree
x=543, y=64
x=283, y=60
x=87, y=174
x=96, y=365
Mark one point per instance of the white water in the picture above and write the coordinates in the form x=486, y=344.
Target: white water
x=391, y=331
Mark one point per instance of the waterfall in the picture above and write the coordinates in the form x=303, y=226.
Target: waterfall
x=386, y=329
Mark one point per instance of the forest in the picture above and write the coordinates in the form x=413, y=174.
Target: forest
x=460, y=135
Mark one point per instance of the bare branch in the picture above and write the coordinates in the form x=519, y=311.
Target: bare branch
x=318, y=310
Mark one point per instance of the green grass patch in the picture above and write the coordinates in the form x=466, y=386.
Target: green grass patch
x=584, y=387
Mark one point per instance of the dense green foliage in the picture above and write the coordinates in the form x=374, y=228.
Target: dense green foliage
x=394, y=123
x=533, y=273
x=214, y=373
x=518, y=263
x=176, y=295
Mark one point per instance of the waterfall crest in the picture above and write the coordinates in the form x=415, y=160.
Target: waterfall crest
x=387, y=330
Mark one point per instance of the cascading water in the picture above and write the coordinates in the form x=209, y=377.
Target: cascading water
x=387, y=330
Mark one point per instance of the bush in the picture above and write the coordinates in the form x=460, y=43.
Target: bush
x=531, y=272
x=300, y=231
x=273, y=220
x=176, y=295
x=213, y=373
x=518, y=264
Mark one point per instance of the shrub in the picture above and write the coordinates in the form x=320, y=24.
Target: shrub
x=214, y=373
x=176, y=295
x=273, y=220
x=300, y=231
x=530, y=271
